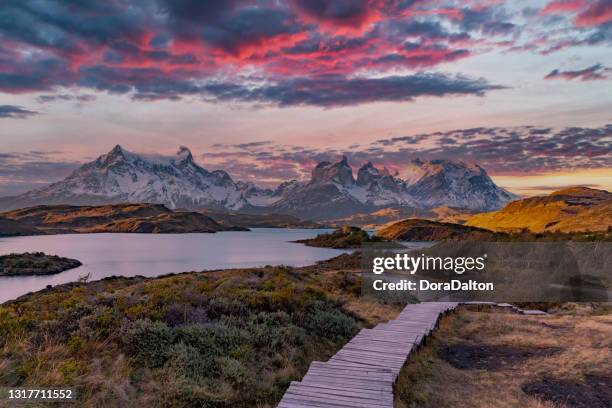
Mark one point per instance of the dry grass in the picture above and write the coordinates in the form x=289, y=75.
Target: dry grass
x=372, y=312
x=580, y=344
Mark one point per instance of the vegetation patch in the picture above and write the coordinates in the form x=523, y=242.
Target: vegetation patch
x=220, y=339
x=35, y=263
x=344, y=237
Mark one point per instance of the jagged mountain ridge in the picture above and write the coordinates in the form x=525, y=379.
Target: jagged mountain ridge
x=121, y=176
x=333, y=192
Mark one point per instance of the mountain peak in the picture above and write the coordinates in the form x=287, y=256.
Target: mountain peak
x=367, y=174
x=340, y=173
x=116, y=155
x=184, y=154
x=442, y=182
x=117, y=149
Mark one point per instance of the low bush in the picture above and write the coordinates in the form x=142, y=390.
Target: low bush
x=213, y=340
x=149, y=342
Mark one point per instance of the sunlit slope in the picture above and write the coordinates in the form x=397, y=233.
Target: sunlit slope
x=568, y=210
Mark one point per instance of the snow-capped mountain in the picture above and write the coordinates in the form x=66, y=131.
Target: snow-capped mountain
x=438, y=183
x=178, y=182
x=333, y=192
x=122, y=176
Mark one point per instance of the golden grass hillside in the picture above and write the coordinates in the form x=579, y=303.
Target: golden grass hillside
x=569, y=210
x=416, y=229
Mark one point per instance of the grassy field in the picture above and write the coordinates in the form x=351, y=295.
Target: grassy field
x=219, y=339
x=236, y=338
x=497, y=359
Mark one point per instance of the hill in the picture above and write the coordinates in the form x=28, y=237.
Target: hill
x=12, y=228
x=380, y=218
x=230, y=218
x=141, y=218
x=569, y=210
x=416, y=229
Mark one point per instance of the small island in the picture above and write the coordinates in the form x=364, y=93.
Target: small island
x=35, y=263
x=342, y=238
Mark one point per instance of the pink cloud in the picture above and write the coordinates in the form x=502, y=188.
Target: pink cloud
x=563, y=6
x=592, y=73
x=596, y=13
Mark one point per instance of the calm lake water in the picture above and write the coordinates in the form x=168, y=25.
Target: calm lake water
x=105, y=255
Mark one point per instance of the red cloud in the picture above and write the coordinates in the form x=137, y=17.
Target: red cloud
x=563, y=6
x=352, y=14
x=596, y=13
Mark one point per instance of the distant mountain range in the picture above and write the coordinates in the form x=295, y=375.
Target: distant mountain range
x=121, y=176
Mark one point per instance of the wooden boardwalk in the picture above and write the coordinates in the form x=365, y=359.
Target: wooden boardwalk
x=363, y=372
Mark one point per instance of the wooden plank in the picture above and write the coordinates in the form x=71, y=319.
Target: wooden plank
x=376, y=395
x=362, y=373
x=533, y=312
x=332, y=400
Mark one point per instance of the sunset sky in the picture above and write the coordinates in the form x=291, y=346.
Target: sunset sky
x=265, y=89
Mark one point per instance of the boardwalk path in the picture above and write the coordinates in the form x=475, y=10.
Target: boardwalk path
x=363, y=372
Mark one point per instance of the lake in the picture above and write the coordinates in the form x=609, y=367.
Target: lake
x=105, y=255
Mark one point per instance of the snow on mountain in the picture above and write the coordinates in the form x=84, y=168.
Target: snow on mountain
x=455, y=184
x=334, y=192
x=123, y=176
x=178, y=182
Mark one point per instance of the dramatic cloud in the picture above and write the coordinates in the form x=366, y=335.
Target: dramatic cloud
x=15, y=112
x=563, y=6
x=596, y=13
x=577, y=23
x=164, y=49
x=525, y=150
x=353, y=13
x=595, y=72
x=169, y=49
x=337, y=91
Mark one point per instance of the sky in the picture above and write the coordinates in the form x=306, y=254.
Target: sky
x=266, y=89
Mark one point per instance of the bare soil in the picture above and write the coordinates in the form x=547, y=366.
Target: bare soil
x=594, y=391
x=491, y=357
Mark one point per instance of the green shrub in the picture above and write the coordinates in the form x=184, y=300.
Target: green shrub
x=324, y=320
x=149, y=342
x=236, y=373
x=186, y=361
